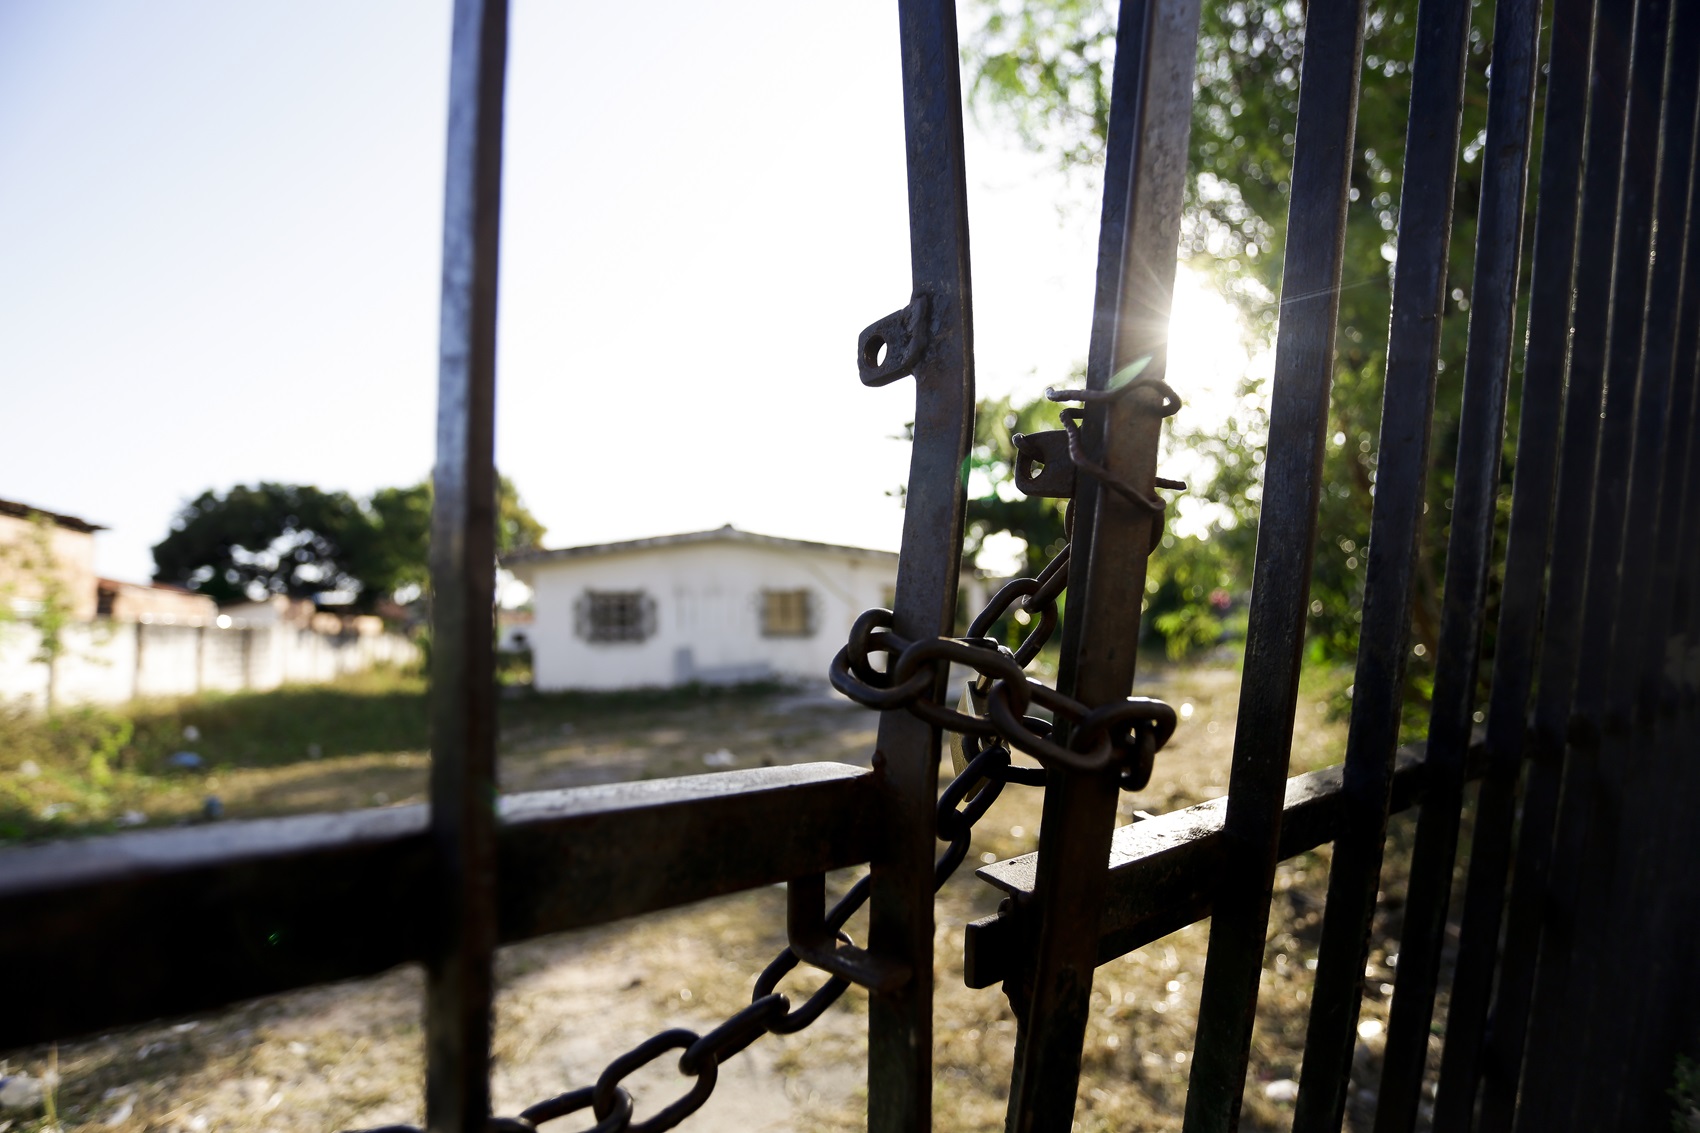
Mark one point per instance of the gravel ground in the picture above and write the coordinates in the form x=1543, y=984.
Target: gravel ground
x=351, y=1055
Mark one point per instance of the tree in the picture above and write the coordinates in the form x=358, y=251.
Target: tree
x=1043, y=69
x=253, y=542
x=306, y=543
x=403, y=531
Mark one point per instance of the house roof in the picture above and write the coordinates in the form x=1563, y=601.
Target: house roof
x=70, y=522
x=726, y=534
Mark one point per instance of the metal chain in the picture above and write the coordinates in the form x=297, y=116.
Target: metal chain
x=961, y=805
x=1125, y=733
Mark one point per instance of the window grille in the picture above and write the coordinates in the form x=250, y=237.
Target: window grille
x=606, y=616
x=787, y=613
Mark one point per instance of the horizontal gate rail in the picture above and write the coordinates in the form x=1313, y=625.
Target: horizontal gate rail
x=135, y=926
x=1166, y=872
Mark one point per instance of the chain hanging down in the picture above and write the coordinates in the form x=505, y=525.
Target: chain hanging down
x=961, y=805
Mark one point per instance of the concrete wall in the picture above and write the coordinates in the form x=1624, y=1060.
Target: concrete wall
x=107, y=662
x=708, y=603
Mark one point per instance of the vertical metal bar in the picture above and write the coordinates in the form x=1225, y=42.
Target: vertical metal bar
x=1407, y=410
x=1527, y=931
x=1590, y=814
x=1659, y=956
x=1659, y=1033
x=1661, y=442
x=1552, y=271
x=459, y=976
x=1657, y=689
x=1286, y=539
x=900, y=1023
x=1150, y=119
x=1682, y=674
x=1480, y=441
x=1629, y=756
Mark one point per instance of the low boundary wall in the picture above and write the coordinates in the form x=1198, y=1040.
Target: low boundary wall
x=112, y=662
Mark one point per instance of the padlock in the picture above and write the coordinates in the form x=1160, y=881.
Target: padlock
x=973, y=703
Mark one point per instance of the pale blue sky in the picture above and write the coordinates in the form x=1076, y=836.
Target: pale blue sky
x=219, y=234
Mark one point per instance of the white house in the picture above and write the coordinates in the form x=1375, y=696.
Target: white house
x=713, y=606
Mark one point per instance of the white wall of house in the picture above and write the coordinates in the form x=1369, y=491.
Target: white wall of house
x=708, y=597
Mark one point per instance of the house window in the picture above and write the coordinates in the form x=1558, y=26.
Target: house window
x=615, y=615
x=787, y=613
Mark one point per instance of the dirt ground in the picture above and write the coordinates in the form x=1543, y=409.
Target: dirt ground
x=351, y=1055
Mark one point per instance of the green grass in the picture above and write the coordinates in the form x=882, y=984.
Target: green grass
x=84, y=769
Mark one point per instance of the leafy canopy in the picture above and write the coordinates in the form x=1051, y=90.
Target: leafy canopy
x=308, y=543
x=1042, y=68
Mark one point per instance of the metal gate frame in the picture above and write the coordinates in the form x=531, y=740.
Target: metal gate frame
x=1574, y=984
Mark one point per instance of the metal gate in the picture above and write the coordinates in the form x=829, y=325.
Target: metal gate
x=1575, y=985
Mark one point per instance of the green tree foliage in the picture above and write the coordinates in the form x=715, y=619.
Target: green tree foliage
x=304, y=542
x=1042, y=68
x=251, y=542
x=994, y=503
x=402, y=517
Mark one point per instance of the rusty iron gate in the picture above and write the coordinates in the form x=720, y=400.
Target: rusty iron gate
x=1574, y=984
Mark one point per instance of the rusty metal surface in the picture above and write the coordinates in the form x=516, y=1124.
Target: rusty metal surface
x=1117, y=522
x=461, y=924
x=211, y=916
x=900, y=1023
x=1165, y=872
